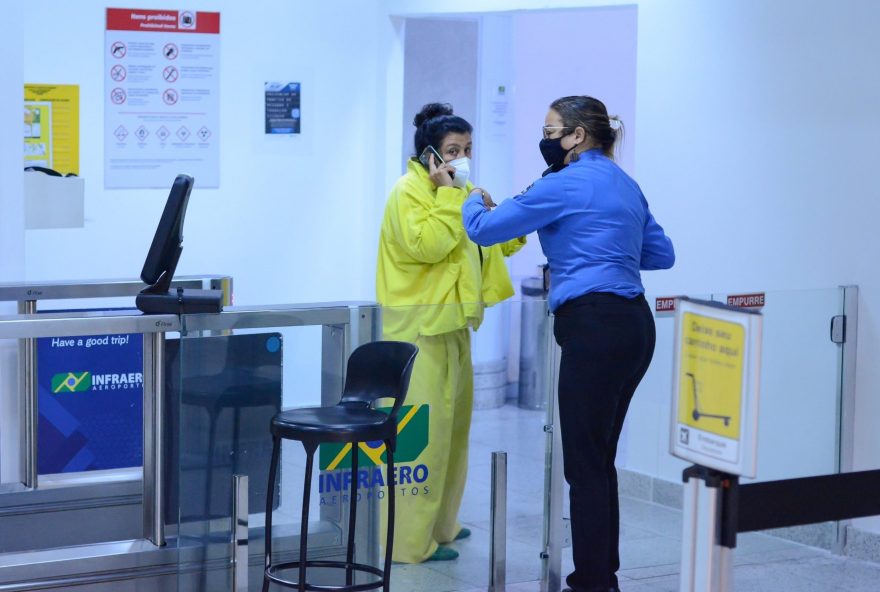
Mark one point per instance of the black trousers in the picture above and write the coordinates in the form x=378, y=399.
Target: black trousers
x=607, y=344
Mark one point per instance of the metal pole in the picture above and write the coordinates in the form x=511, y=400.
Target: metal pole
x=154, y=387
x=240, y=555
x=688, y=535
x=29, y=412
x=498, y=521
x=554, y=526
x=706, y=565
x=847, y=399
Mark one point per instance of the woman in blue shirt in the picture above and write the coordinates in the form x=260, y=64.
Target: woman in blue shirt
x=597, y=233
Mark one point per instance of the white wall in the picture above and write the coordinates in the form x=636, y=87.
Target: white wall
x=756, y=147
x=288, y=219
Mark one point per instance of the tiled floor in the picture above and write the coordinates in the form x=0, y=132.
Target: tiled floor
x=650, y=534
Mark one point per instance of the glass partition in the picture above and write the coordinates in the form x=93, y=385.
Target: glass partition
x=224, y=387
x=800, y=392
x=230, y=384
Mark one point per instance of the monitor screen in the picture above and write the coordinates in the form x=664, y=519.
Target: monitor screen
x=167, y=241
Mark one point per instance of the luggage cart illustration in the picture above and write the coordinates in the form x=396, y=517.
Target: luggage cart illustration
x=697, y=414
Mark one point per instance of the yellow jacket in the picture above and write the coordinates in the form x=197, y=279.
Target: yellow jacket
x=429, y=273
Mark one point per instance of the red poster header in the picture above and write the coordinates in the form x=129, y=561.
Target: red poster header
x=665, y=304
x=162, y=21
x=746, y=300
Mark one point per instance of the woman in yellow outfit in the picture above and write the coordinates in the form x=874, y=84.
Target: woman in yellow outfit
x=433, y=284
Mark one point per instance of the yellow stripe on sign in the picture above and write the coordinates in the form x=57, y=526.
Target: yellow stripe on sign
x=410, y=414
x=335, y=462
x=78, y=380
x=375, y=454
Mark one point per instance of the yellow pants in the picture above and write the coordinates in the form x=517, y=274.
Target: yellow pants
x=443, y=378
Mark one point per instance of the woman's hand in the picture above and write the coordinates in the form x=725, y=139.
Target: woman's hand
x=487, y=198
x=442, y=175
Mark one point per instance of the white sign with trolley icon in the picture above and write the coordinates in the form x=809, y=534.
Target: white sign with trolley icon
x=716, y=382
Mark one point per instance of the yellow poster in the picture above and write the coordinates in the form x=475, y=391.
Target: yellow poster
x=711, y=375
x=37, y=134
x=51, y=126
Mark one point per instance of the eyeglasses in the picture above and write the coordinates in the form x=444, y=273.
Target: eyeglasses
x=548, y=130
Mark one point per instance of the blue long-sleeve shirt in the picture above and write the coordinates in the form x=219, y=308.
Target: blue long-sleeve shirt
x=593, y=223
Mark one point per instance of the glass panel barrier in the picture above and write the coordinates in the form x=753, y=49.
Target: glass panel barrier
x=225, y=386
x=231, y=384
x=800, y=410
x=800, y=398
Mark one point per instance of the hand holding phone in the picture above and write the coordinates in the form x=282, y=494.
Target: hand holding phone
x=426, y=154
x=440, y=172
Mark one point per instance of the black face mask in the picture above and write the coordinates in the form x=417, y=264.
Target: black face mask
x=553, y=152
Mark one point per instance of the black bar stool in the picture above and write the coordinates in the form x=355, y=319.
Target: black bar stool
x=376, y=370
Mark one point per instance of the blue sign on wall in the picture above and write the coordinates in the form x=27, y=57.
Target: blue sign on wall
x=91, y=402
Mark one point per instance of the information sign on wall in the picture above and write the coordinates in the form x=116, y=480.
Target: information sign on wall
x=161, y=97
x=715, y=386
x=51, y=126
x=283, y=107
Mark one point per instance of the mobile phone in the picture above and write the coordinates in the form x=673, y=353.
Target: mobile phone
x=423, y=157
x=438, y=162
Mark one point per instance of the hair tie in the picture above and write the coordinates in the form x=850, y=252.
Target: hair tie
x=615, y=123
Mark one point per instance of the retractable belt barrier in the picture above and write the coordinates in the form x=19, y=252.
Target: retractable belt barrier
x=723, y=507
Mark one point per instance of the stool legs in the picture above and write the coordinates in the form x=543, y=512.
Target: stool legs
x=389, y=541
x=270, y=497
x=304, y=527
x=311, y=448
x=352, y=514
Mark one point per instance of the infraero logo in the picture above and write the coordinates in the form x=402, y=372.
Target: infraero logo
x=77, y=382
x=412, y=439
x=71, y=382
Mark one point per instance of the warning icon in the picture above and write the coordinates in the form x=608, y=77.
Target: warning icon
x=183, y=133
x=162, y=133
x=170, y=74
x=121, y=133
x=204, y=133
x=118, y=73
x=141, y=133
x=169, y=96
x=118, y=96
x=118, y=49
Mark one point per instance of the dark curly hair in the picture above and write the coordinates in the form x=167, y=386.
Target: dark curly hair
x=434, y=122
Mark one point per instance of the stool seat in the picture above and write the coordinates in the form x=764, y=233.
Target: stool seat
x=341, y=423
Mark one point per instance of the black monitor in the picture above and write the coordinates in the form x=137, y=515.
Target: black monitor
x=162, y=258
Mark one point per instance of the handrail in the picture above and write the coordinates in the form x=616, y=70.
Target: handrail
x=101, y=288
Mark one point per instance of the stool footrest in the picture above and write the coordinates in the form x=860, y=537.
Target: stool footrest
x=272, y=571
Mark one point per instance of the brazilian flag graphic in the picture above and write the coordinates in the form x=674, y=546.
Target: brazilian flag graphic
x=71, y=382
x=412, y=439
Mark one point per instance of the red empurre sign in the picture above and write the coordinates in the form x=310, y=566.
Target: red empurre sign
x=665, y=304
x=746, y=300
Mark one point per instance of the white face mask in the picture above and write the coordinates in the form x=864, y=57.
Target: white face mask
x=462, y=171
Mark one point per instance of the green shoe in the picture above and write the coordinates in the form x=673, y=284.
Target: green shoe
x=463, y=534
x=443, y=554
